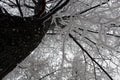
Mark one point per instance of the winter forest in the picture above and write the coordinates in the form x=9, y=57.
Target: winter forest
x=59, y=39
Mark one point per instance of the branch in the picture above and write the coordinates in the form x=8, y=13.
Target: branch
x=28, y=6
x=93, y=7
x=19, y=8
x=118, y=36
x=12, y=2
x=9, y=4
x=34, y=2
x=84, y=11
x=40, y=8
x=5, y=11
x=56, y=5
x=53, y=11
x=48, y=74
x=90, y=56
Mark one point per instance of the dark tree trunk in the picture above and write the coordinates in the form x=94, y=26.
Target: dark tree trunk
x=18, y=37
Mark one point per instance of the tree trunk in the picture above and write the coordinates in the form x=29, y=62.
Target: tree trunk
x=18, y=37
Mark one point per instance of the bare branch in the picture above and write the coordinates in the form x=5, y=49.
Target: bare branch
x=28, y=6
x=93, y=7
x=19, y=8
x=34, y=2
x=48, y=74
x=90, y=56
x=53, y=11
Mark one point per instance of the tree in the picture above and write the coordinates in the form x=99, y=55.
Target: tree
x=19, y=35
x=86, y=37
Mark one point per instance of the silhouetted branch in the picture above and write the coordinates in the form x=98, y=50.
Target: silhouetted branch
x=118, y=36
x=90, y=56
x=28, y=6
x=4, y=11
x=53, y=11
x=48, y=74
x=19, y=8
x=34, y=2
x=84, y=11
x=10, y=3
x=93, y=7
x=56, y=5
x=40, y=8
